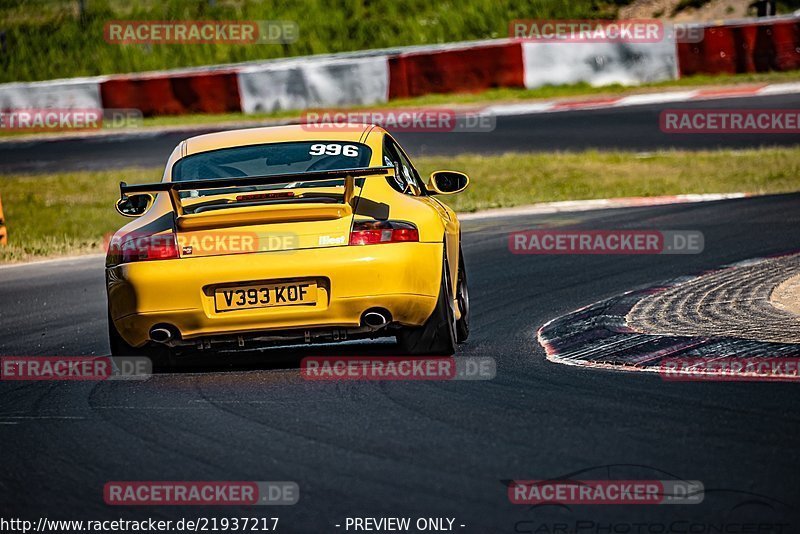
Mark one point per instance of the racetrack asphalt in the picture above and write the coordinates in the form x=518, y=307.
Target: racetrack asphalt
x=415, y=449
x=634, y=128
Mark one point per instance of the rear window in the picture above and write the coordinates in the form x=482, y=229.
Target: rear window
x=272, y=158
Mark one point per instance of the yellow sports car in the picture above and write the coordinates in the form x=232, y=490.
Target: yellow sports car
x=287, y=235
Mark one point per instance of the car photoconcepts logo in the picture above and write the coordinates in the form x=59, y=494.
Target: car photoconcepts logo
x=75, y=368
x=401, y=120
x=125, y=32
x=730, y=369
x=730, y=121
x=398, y=368
x=44, y=119
x=192, y=493
x=606, y=242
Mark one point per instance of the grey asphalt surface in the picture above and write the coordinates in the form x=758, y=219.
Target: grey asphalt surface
x=626, y=128
x=435, y=449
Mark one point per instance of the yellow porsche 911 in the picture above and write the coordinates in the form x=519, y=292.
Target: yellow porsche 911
x=287, y=235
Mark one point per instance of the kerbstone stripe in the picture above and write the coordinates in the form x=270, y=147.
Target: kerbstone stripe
x=721, y=314
x=731, y=302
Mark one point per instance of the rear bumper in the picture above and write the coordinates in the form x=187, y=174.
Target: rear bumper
x=403, y=278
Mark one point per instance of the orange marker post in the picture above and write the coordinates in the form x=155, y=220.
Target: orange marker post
x=3, y=231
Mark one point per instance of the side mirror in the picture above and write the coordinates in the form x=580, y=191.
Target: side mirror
x=134, y=205
x=447, y=182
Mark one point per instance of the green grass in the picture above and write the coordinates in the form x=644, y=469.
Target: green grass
x=49, y=39
x=65, y=213
x=69, y=213
x=519, y=179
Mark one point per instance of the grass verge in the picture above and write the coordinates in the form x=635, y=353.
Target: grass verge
x=69, y=213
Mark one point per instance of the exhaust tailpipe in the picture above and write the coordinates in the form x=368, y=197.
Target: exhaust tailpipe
x=161, y=335
x=375, y=319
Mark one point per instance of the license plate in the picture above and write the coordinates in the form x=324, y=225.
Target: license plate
x=265, y=296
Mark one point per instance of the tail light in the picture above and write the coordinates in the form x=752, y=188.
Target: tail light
x=133, y=248
x=264, y=196
x=376, y=232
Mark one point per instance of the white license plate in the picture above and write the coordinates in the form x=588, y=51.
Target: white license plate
x=265, y=296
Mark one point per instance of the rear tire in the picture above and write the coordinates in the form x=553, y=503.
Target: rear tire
x=462, y=297
x=437, y=337
x=160, y=355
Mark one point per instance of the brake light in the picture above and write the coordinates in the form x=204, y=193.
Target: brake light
x=135, y=248
x=375, y=232
x=264, y=196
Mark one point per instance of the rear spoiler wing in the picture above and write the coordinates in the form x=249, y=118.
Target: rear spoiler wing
x=174, y=188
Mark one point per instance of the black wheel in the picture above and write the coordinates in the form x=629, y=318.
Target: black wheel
x=462, y=297
x=160, y=355
x=437, y=337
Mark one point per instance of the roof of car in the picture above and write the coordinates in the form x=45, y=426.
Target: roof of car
x=278, y=134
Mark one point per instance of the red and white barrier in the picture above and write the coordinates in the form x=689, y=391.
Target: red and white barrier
x=373, y=77
x=456, y=70
x=743, y=46
x=75, y=93
x=215, y=91
x=306, y=84
x=598, y=63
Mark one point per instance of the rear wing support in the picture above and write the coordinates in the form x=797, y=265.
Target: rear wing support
x=174, y=188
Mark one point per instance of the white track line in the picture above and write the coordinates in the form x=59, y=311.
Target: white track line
x=567, y=206
x=693, y=95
